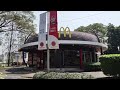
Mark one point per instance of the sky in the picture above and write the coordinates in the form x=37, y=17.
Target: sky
x=75, y=19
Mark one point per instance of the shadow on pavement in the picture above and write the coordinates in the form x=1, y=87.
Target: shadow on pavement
x=21, y=70
x=109, y=78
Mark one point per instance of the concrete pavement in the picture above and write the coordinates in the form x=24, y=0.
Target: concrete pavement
x=97, y=74
x=21, y=73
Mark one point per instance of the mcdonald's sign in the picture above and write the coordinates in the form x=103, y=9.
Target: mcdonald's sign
x=53, y=42
x=66, y=32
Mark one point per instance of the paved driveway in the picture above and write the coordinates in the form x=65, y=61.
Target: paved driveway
x=17, y=73
x=97, y=74
x=27, y=73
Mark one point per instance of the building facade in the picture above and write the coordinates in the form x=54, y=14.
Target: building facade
x=75, y=49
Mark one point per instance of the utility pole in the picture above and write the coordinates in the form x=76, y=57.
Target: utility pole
x=9, y=53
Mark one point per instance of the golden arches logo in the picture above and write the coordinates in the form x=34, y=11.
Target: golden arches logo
x=66, y=31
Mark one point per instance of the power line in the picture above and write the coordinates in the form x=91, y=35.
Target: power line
x=82, y=17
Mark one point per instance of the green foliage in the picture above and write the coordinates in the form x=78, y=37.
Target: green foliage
x=22, y=21
x=97, y=29
x=16, y=22
x=92, y=66
x=110, y=64
x=113, y=39
x=102, y=31
x=58, y=75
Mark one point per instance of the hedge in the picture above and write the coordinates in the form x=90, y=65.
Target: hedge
x=59, y=75
x=110, y=64
x=92, y=66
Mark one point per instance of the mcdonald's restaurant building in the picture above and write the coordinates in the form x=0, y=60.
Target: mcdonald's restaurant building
x=75, y=48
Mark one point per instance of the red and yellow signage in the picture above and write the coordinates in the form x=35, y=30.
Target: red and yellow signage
x=53, y=30
x=53, y=24
x=65, y=31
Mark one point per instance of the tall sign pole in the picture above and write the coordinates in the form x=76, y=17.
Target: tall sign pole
x=53, y=31
x=52, y=34
x=42, y=32
x=43, y=27
x=48, y=21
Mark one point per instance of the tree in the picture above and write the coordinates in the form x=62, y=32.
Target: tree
x=113, y=38
x=97, y=29
x=21, y=18
x=22, y=22
x=24, y=37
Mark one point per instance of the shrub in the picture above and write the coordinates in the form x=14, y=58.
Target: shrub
x=57, y=75
x=92, y=66
x=110, y=64
x=38, y=75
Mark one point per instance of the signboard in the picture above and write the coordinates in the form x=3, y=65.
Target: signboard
x=42, y=32
x=65, y=31
x=52, y=30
